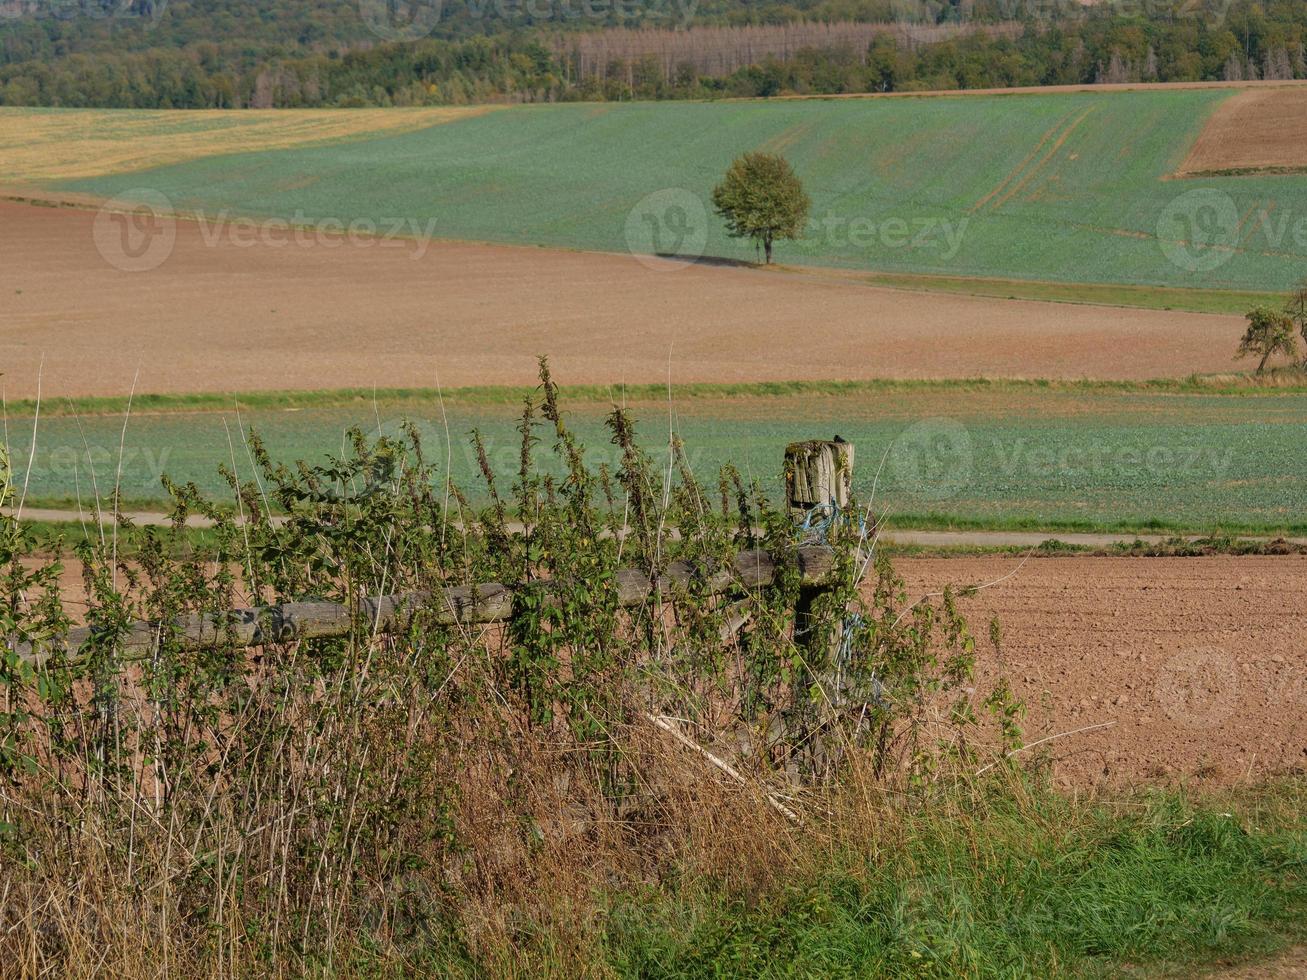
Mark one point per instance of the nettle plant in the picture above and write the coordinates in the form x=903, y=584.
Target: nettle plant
x=282, y=791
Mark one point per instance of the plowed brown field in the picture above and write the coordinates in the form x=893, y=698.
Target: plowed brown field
x=1256, y=129
x=228, y=312
x=1196, y=664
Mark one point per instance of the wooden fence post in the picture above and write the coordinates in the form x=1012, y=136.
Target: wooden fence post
x=818, y=474
x=818, y=489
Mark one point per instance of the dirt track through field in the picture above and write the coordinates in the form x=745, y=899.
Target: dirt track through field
x=228, y=312
x=1196, y=664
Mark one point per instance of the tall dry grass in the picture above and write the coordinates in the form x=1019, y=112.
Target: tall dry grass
x=453, y=798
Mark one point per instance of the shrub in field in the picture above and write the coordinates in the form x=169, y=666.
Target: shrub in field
x=311, y=804
x=1269, y=333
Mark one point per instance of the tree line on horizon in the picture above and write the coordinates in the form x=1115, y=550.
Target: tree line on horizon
x=290, y=53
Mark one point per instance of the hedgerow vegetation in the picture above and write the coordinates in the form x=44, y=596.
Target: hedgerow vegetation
x=696, y=784
x=236, y=53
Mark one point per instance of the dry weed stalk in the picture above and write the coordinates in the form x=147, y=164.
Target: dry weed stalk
x=445, y=794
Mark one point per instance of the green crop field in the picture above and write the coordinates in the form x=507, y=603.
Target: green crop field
x=1067, y=187
x=1002, y=456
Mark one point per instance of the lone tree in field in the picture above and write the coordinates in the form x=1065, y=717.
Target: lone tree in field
x=1268, y=333
x=761, y=198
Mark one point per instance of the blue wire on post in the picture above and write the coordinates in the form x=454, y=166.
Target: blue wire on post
x=820, y=520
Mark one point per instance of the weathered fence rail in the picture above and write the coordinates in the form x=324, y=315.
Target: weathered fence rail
x=818, y=474
x=490, y=602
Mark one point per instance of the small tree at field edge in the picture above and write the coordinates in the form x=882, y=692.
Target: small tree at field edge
x=1269, y=332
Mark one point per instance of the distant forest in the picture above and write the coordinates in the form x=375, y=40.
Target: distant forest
x=291, y=53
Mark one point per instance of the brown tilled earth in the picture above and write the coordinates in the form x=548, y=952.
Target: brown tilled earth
x=1196, y=664
x=1257, y=129
x=241, y=316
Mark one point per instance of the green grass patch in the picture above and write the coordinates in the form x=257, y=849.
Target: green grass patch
x=1152, y=526
x=1276, y=381
x=1247, y=172
x=1028, y=885
x=1169, y=458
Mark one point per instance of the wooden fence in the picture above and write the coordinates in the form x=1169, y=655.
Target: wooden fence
x=817, y=474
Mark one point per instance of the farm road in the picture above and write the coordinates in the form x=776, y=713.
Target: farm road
x=923, y=539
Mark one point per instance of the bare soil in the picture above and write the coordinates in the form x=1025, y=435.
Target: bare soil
x=1256, y=130
x=1290, y=964
x=1196, y=664
x=228, y=312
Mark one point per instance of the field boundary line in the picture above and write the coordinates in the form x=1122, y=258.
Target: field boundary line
x=924, y=539
x=293, y=400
